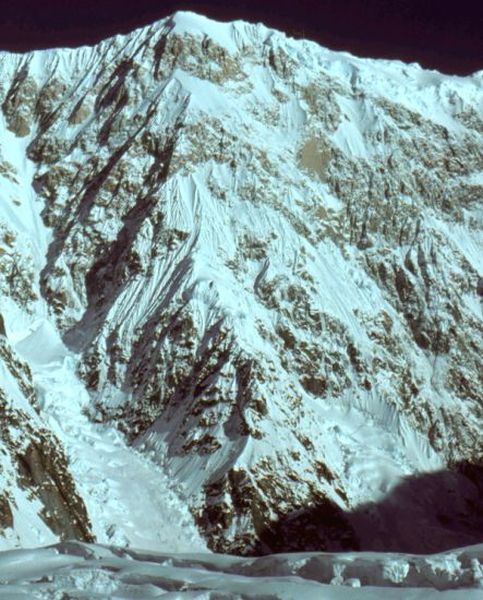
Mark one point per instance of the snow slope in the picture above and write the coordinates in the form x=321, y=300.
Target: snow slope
x=129, y=499
x=122, y=490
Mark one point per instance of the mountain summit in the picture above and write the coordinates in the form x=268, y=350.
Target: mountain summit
x=240, y=296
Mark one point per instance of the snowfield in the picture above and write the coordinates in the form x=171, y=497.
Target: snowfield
x=75, y=570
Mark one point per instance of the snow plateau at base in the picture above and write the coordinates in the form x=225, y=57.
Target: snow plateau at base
x=87, y=571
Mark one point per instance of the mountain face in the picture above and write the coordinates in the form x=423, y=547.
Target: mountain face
x=253, y=264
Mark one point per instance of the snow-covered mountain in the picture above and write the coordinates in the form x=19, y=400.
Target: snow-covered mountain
x=240, y=296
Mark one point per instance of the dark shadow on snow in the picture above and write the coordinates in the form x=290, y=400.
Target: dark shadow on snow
x=427, y=513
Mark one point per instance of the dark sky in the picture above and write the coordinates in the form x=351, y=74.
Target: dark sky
x=438, y=34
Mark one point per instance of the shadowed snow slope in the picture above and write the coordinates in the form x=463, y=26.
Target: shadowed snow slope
x=240, y=297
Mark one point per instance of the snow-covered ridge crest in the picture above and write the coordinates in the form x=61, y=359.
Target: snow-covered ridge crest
x=261, y=258
x=105, y=572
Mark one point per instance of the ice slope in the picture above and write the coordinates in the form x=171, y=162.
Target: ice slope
x=129, y=500
x=93, y=571
x=263, y=258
